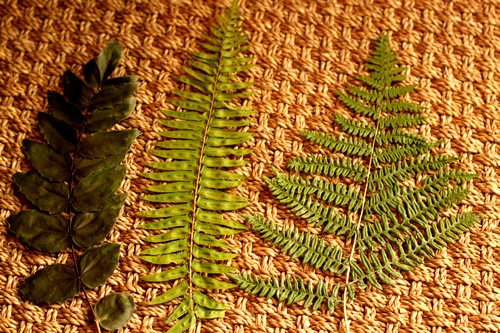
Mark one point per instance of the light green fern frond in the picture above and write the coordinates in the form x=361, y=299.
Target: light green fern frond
x=199, y=150
x=392, y=216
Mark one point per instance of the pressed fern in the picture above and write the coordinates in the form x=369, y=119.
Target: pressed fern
x=389, y=225
x=199, y=144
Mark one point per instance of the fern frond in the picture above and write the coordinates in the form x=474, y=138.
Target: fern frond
x=393, y=196
x=398, y=199
x=290, y=290
x=389, y=175
x=199, y=149
x=415, y=209
x=301, y=189
x=399, y=153
x=358, y=106
x=412, y=251
x=401, y=120
x=400, y=106
x=315, y=212
x=368, y=95
x=355, y=127
x=398, y=91
x=348, y=146
x=375, y=83
x=309, y=248
x=404, y=138
x=329, y=166
x=395, y=226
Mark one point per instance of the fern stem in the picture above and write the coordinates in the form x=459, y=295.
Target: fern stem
x=358, y=224
x=199, y=168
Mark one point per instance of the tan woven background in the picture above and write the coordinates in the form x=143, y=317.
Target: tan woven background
x=305, y=51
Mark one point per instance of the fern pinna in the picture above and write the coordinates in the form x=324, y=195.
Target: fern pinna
x=382, y=190
x=199, y=145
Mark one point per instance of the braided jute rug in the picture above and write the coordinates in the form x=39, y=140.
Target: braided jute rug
x=305, y=51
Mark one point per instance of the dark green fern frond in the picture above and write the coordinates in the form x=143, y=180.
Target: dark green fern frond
x=410, y=253
x=313, y=210
x=401, y=137
x=291, y=290
x=390, y=175
x=400, y=106
x=355, y=127
x=397, y=153
x=304, y=245
x=329, y=166
x=303, y=188
x=409, y=203
x=386, y=194
x=360, y=108
x=401, y=120
x=348, y=146
x=199, y=149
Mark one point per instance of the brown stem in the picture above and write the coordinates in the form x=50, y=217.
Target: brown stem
x=70, y=225
x=358, y=225
x=73, y=253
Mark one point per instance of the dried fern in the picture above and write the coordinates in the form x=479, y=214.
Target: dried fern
x=199, y=144
x=391, y=226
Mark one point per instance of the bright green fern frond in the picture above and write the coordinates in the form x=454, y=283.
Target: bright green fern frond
x=199, y=150
x=386, y=194
x=290, y=290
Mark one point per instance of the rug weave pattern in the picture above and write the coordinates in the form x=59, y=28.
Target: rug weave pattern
x=305, y=50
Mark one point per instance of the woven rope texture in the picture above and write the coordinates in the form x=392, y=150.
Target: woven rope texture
x=305, y=50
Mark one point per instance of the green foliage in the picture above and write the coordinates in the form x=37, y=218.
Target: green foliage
x=291, y=290
x=114, y=310
x=199, y=149
x=72, y=188
x=52, y=284
x=384, y=194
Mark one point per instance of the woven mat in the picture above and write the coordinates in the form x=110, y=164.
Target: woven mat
x=306, y=50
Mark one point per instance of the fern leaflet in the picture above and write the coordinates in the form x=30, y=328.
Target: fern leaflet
x=290, y=290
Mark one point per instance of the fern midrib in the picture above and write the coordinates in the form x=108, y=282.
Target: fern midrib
x=198, y=171
x=363, y=204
